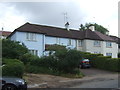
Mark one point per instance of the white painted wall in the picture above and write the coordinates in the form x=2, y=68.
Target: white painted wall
x=13, y=37
x=41, y=40
x=59, y=41
x=113, y=49
x=89, y=47
x=35, y=45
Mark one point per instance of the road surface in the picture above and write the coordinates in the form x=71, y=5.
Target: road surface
x=101, y=79
x=111, y=83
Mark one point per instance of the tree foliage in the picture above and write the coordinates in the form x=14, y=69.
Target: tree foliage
x=12, y=49
x=98, y=27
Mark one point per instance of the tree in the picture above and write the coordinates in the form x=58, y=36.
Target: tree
x=98, y=27
x=12, y=49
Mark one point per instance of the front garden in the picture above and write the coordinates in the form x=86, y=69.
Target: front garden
x=17, y=61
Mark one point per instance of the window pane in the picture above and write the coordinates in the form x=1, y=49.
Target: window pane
x=108, y=44
x=108, y=54
x=97, y=43
x=79, y=43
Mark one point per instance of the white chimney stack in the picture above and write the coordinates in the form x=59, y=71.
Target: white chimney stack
x=92, y=28
x=67, y=26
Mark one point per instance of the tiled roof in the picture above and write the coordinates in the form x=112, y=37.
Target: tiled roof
x=5, y=33
x=116, y=39
x=63, y=32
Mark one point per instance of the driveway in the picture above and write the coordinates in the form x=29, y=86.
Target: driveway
x=94, y=72
x=96, y=78
x=92, y=75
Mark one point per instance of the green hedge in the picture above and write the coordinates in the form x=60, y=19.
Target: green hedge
x=13, y=67
x=103, y=62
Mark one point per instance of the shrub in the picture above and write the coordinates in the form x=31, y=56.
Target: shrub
x=27, y=58
x=47, y=61
x=69, y=62
x=103, y=62
x=12, y=49
x=113, y=64
x=37, y=69
x=118, y=55
x=62, y=61
x=13, y=67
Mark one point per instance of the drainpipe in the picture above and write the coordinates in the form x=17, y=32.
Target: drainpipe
x=43, y=44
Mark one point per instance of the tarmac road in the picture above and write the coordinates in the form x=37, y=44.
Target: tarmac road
x=111, y=83
x=102, y=79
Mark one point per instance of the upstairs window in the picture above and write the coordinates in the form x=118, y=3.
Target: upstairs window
x=69, y=42
x=79, y=43
x=97, y=43
x=31, y=36
x=108, y=44
x=57, y=40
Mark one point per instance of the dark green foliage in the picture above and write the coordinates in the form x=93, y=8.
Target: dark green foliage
x=55, y=47
x=98, y=27
x=37, y=69
x=27, y=58
x=47, y=62
x=69, y=60
x=62, y=61
x=118, y=55
x=12, y=49
x=13, y=67
x=103, y=62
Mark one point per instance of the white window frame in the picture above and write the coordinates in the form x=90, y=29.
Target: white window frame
x=30, y=36
x=97, y=43
x=108, y=54
x=70, y=42
x=57, y=40
x=108, y=44
x=97, y=52
x=79, y=43
x=33, y=52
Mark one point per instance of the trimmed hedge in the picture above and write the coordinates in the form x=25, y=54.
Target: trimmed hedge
x=13, y=67
x=103, y=62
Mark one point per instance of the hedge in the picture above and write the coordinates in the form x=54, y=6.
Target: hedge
x=103, y=62
x=13, y=67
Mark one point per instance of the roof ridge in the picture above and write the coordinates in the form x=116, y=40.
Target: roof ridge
x=49, y=26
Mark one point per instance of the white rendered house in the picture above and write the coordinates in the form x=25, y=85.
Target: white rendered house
x=36, y=37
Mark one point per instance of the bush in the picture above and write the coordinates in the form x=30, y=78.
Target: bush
x=113, y=64
x=12, y=49
x=118, y=55
x=27, y=58
x=13, y=67
x=62, y=61
x=69, y=62
x=103, y=62
x=37, y=69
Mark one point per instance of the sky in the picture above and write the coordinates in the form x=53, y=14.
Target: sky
x=13, y=13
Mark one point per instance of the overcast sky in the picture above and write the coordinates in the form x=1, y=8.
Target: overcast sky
x=102, y=12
